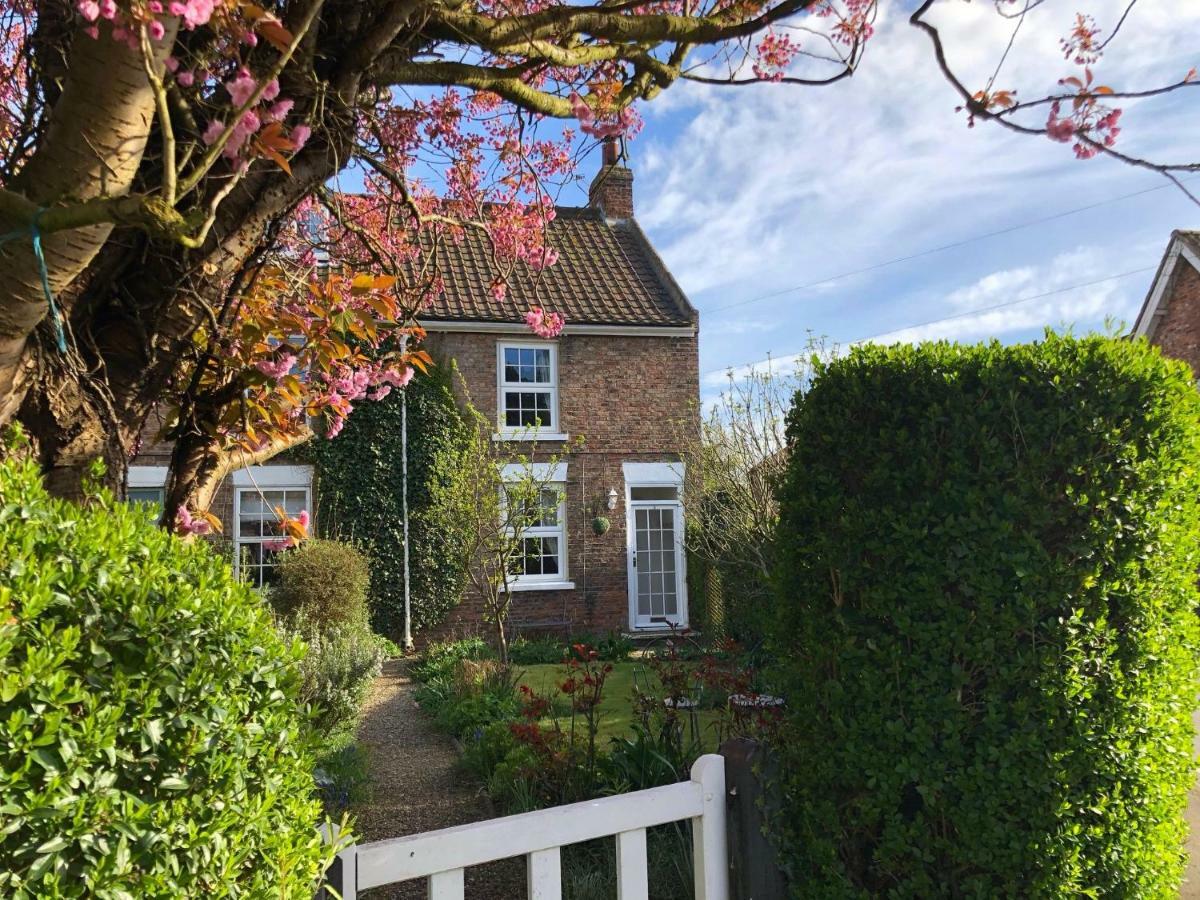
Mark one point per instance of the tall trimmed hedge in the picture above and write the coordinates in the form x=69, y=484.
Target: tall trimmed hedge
x=988, y=613
x=360, y=483
x=152, y=743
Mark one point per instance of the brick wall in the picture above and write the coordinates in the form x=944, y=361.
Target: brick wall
x=630, y=399
x=1178, y=332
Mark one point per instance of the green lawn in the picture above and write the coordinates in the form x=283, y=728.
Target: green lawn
x=616, y=708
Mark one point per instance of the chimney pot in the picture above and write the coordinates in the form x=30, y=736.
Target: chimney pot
x=611, y=191
x=611, y=151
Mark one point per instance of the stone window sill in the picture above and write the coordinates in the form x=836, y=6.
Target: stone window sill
x=531, y=436
x=542, y=586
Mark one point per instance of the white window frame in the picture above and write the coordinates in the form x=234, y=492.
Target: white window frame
x=265, y=478
x=551, y=476
x=551, y=432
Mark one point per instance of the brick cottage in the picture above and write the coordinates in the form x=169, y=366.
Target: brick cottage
x=611, y=398
x=1170, y=315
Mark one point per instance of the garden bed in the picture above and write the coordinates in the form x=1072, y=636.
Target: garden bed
x=617, y=715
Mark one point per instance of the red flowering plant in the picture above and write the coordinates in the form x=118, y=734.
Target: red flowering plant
x=566, y=753
x=585, y=675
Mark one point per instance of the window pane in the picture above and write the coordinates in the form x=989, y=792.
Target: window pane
x=249, y=527
x=146, y=496
x=549, y=517
x=526, y=365
x=653, y=493
x=533, y=556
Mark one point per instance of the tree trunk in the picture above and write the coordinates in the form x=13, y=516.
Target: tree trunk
x=93, y=147
x=133, y=321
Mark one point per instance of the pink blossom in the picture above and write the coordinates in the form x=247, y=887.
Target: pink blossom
x=171, y=64
x=241, y=88
x=250, y=39
x=544, y=324
x=271, y=91
x=194, y=12
x=108, y=9
x=278, y=367
x=248, y=124
x=279, y=111
x=89, y=9
x=214, y=130
x=278, y=545
x=300, y=135
x=92, y=31
x=1061, y=130
x=499, y=290
x=156, y=30
x=303, y=518
x=185, y=78
x=188, y=525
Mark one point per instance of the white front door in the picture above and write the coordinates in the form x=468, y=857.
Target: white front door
x=656, y=566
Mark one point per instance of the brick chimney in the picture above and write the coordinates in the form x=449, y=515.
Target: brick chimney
x=611, y=191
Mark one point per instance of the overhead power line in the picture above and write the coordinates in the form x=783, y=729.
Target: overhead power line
x=939, y=249
x=969, y=313
x=984, y=309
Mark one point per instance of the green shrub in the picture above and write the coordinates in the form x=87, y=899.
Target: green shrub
x=151, y=740
x=549, y=649
x=484, y=750
x=342, y=774
x=325, y=581
x=480, y=693
x=440, y=660
x=341, y=663
x=361, y=482
x=534, y=651
x=987, y=621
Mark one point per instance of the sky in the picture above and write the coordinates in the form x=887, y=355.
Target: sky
x=759, y=197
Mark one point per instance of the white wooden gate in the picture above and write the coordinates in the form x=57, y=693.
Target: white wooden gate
x=441, y=856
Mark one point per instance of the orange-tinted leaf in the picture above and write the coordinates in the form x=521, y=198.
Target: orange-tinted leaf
x=275, y=33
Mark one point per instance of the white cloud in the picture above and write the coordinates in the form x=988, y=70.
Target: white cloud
x=1070, y=291
x=768, y=187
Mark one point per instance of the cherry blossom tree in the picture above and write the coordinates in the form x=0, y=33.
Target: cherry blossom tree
x=173, y=231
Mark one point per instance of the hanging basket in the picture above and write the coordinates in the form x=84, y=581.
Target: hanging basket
x=600, y=524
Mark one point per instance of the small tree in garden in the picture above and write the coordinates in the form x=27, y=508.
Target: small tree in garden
x=987, y=626
x=485, y=512
x=734, y=467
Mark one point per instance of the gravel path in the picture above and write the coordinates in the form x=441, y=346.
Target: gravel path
x=417, y=786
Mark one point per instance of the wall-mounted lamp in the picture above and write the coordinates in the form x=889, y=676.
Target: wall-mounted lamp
x=612, y=498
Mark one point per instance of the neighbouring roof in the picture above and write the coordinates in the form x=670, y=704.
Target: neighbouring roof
x=1183, y=245
x=607, y=273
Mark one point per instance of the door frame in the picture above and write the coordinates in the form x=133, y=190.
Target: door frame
x=659, y=474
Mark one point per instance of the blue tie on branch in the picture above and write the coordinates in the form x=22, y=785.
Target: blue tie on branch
x=35, y=234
